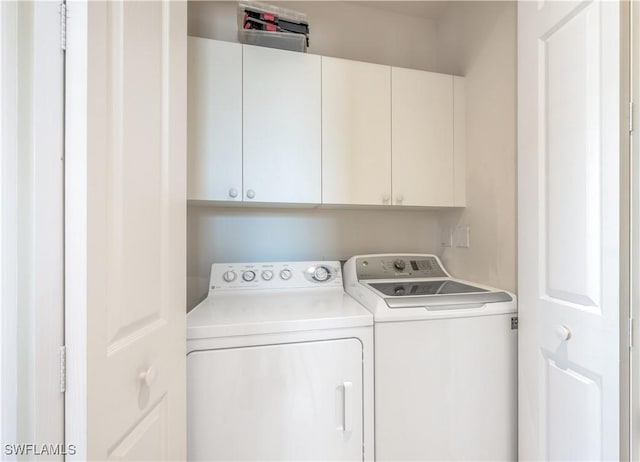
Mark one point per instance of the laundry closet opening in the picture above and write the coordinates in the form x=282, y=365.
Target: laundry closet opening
x=477, y=242
x=342, y=192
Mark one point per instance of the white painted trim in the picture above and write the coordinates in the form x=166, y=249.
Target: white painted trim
x=634, y=207
x=31, y=229
x=46, y=223
x=626, y=61
x=8, y=225
x=76, y=288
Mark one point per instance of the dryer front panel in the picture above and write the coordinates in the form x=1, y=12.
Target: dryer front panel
x=298, y=401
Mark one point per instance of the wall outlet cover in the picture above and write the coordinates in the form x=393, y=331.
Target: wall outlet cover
x=446, y=238
x=461, y=237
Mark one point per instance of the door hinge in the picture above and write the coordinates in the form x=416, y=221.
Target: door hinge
x=63, y=369
x=630, y=116
x=514, y=323
x=63, y=26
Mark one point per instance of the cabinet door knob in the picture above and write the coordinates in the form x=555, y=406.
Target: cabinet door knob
x=563, y=333
x=233, y=192
x=399, y=198
x=148, y=377
x=385, y=198
x=251, y=193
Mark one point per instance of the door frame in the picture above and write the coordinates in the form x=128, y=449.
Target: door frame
x=31, y=227
x=628, y=261
x=630, y=397
x=76, y=287
x=8, y=226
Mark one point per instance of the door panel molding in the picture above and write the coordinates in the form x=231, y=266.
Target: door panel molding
x=569, y=226
x=126, y=196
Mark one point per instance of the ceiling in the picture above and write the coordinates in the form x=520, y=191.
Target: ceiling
x=421, y=9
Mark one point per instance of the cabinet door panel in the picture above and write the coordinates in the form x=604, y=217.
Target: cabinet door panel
x=422, y=138
x=281, y=126
x=459, y=142
x=297, y=401
x=214, y=120
x=356, y=132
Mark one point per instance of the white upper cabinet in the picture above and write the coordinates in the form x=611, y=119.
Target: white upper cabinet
x=422, y=138
x=278, y=127
x=459, y=143
x=356, y=132
x=214, y=120
x=281, y=126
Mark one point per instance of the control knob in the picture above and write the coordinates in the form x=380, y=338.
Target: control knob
x=229, y=276
x=285, y=274
x=399, y=264
x=321, y=274
x=249, y=276
x=267, y=275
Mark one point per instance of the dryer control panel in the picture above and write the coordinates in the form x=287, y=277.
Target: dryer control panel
x=399, y=267
x=279, y=275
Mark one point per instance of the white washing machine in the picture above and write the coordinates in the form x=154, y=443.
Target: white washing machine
x=445, y=360
x=280, y=366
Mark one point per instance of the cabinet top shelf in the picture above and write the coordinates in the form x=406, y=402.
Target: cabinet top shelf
x=326, y=56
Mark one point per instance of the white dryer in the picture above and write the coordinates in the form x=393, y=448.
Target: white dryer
x=445, y=360
x=280, y=366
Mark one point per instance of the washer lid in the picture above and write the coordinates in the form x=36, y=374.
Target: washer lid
x=266, y=312
x=431, y=287
x=444, y=302
x=438, y=294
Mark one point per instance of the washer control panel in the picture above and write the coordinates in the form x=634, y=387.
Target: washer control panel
x=281, y=275
x=399, y=267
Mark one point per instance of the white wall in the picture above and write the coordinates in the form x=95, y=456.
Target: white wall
x=340, y=29
x=228, y=234
x=478, y=40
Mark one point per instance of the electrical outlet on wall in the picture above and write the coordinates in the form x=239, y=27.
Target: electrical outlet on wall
x=461, y=236
x=446, y=238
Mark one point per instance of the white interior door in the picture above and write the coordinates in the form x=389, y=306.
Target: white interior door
x=569, y=224
x=125, y=229
x=296, y=401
